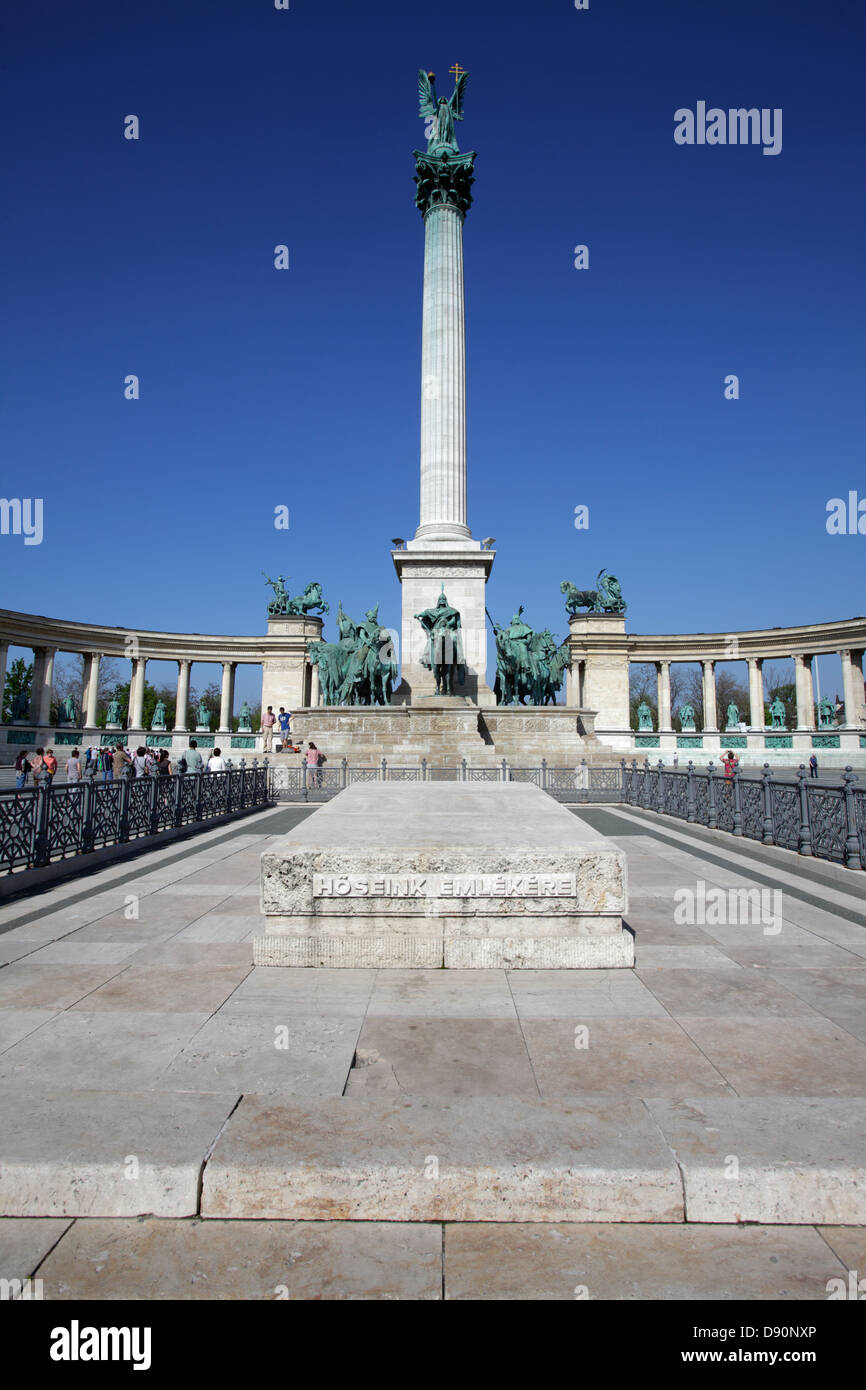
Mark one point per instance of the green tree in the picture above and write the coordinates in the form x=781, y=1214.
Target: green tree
x=19, y=681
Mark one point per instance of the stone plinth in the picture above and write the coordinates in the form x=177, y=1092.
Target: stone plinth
x=457, y=875
x=286, y=670
x=463, y=568
x=599, y=664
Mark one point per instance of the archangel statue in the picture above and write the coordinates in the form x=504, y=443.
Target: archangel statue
x=442, y=112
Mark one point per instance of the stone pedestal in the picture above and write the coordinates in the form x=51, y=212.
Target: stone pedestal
x=465, y=876
x=599, y=664
x=463, y=568
x=286, y=671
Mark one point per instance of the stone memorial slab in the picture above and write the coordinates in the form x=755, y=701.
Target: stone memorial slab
x=460, y=875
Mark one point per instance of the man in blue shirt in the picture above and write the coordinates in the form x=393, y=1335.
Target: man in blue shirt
x=284, y=721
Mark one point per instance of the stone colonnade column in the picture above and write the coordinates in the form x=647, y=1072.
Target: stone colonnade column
x=852, y=686
x=136, y=701
x=804, y=691
x=859, y=693
x=663, y=696
x=180, y=712
x=43, y=684
x=443, y=379
x=90, y=694
x=4, y=658
x=227, y=697
x=315, y=689
x=757, y=718
x=709, y=682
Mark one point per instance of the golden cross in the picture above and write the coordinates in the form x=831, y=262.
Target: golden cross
x=457, y=70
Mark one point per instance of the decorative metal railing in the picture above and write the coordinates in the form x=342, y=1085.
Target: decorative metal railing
x=44, y=823
x=573, y=784
x=811, y=817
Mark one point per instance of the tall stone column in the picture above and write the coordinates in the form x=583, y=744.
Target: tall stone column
x=804, y=691
x=180, y=713
x=315, y=690
x=4, y=658
x=90, y=695
x=756, y=693
x=43, y=685
x=663, y=692
x=709, y=679
x=849, y=694
x=136, y=693
x=227, y=697
x=859, y=692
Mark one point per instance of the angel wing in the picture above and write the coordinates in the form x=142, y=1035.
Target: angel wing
x=457, y=99
x=426, y=95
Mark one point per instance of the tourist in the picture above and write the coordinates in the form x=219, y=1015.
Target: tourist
x=813, y=766
x=269, y=719
x=192, y=758
x=731, y=763
x=50, y=763
x=216, y=762
x=139, y=762
x=22, y=767
x=120, y=761
x=37, y=765
x=314, y=759
x=105, y=763
x=284, y=729
x=163, y=766
x=73, y=767
x=150, y=759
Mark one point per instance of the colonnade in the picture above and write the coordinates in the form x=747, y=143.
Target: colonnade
x=852, y=687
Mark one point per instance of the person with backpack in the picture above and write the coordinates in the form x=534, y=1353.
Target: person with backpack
x=37, y=764
x=119, y=761
x=104, y=764
x=22, y=768
x=191, y=759
x=139, y=762
x=50, y=763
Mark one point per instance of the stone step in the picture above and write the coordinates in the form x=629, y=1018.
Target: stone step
x=500, y=1158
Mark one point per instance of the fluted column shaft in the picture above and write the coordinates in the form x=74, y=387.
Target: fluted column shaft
x=663, y=691
x=91, y=693
x=756, y=692
x=443, y=379
x=227, y=697
x=709, y=669
x=180, y=711
x=804, y=692
x=136, y=703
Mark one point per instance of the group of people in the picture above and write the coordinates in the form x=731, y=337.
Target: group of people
x=114, y=761
x=284, y=720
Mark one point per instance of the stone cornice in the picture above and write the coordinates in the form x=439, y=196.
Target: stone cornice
x=771, y=644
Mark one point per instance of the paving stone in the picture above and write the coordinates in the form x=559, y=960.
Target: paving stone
x=618, y=1057
x=780, y=1160
x=782, y=1056
x=582, y=994
x=175, y=989
x=25, y=1241
x=23, y=985
x=838, y=994
x=732, y=993
x=109, y=1048
x=645, y=1262
x=105, y=1153
x=451, y=1057
x=265, y=1053
x=488, y=1159
x=671, y=956
x=77, y=952
x=285, y=994
x=170, y=1259
x=441, y=994
x=16, y=1024
x=849, y=1243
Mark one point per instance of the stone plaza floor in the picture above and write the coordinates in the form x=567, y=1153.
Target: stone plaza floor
x=175, y=1123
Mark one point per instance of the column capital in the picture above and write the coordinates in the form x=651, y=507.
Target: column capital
x=444, y=180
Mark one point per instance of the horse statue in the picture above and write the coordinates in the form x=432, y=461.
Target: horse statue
x=606, y=597
x=281, y=605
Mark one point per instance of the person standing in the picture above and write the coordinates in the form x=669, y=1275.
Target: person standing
x=37, y=764
x=139, y=762
x=163, y=765
x=216, y=762
x=192, y=757
x=269, y=719
x=283, y=720
x=119, y=761
x=731, y=763
x=314, y=759
x=73, y=767
x=50, y=763
x=22, y=767
x=813, y=766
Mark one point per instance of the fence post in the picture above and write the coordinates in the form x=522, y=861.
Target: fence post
x=712, y=818
x=504, y=771
x=691, y=804
x=229, y=775
x=123, y=810
x=198, y=776
x=344, y=773
x=805, y=845
x=852, y=843
x=382, y=770
x=660, y=794
x=544, y=774
x=768, y=837
x=41, y=847
x=463, y=777
x=152, y=804
x=177, y=779
x=423, y=769
x=736, y=794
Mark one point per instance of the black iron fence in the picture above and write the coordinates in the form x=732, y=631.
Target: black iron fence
x=47, y=822
x=798, y=813
x=580, y=784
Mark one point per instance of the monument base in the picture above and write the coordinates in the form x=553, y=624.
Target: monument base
x=460, y=876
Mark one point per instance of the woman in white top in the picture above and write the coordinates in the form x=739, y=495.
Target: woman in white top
x=216, y=762
x=73, y=767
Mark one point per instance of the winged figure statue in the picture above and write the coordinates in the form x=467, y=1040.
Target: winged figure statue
x=443, y=111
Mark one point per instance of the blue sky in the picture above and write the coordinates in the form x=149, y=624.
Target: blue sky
x=602, y=387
